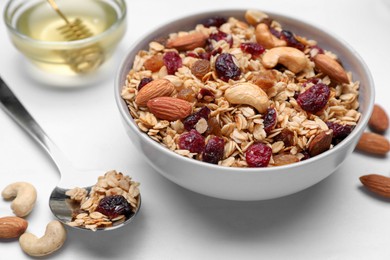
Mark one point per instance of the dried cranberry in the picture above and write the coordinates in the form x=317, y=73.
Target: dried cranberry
x=269, y=120
x=172, y=61
x=274, y=32
x=192, y=141
x=310, y=80
x=319, y=49
x=315, y=98
x=220, y=36
x=340, y=132
x=258, y=155
x=192, y=54
x=191, y=120
x=291, y=40
x=213, y=152
x=252, y=48
x=216, y=21
x=204, y=92
x=113, y=206
x=226, y=68
x=143, y=82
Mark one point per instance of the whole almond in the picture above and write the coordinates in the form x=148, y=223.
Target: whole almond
x=373, y=143
x=12, y=227
x=376, y=183
x=169, y=108
x=320, y=143
x=188, y=41
x=379, y=120
x=330, y=67
x=155, y=88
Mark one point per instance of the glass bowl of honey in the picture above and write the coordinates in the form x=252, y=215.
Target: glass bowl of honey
x=68, y=38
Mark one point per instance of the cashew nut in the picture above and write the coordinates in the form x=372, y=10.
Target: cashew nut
x=292, y=58
x=266, y=38
x=54, y=238
x=254, y=17
x=25, y=196
x=248, y=94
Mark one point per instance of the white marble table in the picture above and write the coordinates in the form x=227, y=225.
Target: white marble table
x=335, y=219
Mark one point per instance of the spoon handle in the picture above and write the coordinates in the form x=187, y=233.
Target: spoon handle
x=15, y=109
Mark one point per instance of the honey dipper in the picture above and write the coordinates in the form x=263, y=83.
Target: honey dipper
x=84, y=59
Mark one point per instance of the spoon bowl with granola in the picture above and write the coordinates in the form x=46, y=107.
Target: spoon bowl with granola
x=242, y=104
x=109, y=204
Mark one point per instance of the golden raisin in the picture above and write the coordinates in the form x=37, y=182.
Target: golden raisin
x=213, y=127
x=154, y=63
x=186, y=94
x=200, y=68
x=265, y=79
x=284, y=158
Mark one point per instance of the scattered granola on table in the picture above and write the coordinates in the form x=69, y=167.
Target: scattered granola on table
x=112, y=200
x=242, y=93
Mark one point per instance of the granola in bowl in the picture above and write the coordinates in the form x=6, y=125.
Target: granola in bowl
x=242, y=93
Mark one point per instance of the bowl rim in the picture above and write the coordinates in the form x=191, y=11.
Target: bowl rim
x=121, y=18
x=361, y=125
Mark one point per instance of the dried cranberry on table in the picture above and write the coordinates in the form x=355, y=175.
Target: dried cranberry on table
x=270, y=120
x=143, y=82
x=226, y=68
x=172, y=62
x=114, y=206
x=214, y=150
x=252, y=48
x=191, y=120
x=216, y=21
x=192, y=141
x=258, y=155
x=340, y=132
x=315, y=98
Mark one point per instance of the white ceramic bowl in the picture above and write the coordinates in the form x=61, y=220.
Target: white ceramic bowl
x=248, y=183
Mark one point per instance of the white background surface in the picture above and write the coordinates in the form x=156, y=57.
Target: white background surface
x=335, y=219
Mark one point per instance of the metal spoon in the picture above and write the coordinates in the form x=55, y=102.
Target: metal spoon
x=70, y=177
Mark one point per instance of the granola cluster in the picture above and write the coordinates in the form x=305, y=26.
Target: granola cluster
x=111, y=184
x=237, y=114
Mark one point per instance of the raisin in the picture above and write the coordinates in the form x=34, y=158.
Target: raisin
x=213, y=127
x=265, y=79
x=216, y=21
x=269, y=120
x=340, y=132
x=315, y=98
x=143, y=82
x=226, y=68
x=252, y=48
x=258, y=155
x=154, y=63
x=286, y=136
x=214, y=150
x=172, y=61
x=191, y=120
x=291, y=40
x=113, y=206
x=306, y=155
x=192, y=141
x=200, y=68
x=186, y=94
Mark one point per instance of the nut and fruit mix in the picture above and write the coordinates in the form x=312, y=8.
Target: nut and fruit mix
x=242, y=93
x=112, y=200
